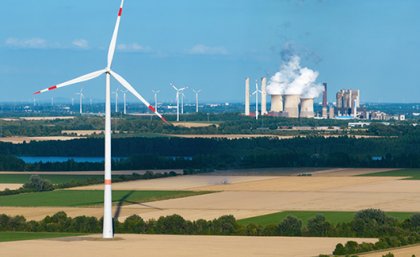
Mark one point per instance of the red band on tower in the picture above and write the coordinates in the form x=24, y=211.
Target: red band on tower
x=152, y=108
x=107, y=182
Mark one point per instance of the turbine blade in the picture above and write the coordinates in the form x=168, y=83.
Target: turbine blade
x=86, y=77
x=113, y=43
x=127, y=85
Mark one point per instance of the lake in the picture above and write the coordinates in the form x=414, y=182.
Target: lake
x=35, y=159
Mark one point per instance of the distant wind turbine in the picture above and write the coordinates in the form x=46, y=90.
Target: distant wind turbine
x=107, y=219
x=81, y=95
x=116, y=99
x=125, y=101
x=256, y=98
x=196, y=99
x=156, y=92
x=178, y=93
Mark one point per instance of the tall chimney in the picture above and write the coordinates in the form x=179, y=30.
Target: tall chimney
x=276, y=103
x=324, y=102
x=247, y=96
x=263, y=96
x=291, y=105
x=307, y=108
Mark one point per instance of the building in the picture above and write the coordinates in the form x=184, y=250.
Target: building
x=348, y=100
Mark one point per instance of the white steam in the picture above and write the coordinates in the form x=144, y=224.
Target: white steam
x=292, y=79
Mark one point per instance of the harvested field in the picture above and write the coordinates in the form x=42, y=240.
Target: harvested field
x=302, y=184
x=230, y=136
x=9, y=186
x=177, y=183
x=174, y=246
x=347, y=172
x=194, y=124
x=48, y=118
x=20, y=140
x=398, y=252
x=82, y=132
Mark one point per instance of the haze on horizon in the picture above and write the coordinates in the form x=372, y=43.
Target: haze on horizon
x=211, y=45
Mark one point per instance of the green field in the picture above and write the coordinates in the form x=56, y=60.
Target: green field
x=413, y=174
x=55, y=179
x=331, y=216
x=16, y=236
x=89, y=197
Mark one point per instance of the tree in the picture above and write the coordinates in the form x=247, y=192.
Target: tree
x=38, y=184
x=290, y=226
x=318, y=226
x=134, y=224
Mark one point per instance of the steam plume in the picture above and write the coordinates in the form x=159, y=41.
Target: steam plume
x=292, y=79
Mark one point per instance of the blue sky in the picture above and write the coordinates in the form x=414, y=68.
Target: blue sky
x=211, y=45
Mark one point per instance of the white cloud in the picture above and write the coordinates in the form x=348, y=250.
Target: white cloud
x=81, y=43
x=32, y=43
x=209, y=50
x=133, y=47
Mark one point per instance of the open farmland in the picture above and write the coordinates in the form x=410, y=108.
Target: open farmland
x=250, y=196
x=174, y=246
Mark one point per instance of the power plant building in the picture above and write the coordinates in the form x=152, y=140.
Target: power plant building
x=348, y=100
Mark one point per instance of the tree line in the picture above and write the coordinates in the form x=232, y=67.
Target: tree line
x=366, y=224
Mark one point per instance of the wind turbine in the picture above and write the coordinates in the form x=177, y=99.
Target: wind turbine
x=196, y=99
x=116, y=99
x=81, y=95
x=178, y=92
x=107, y=220
x=156, y=92
x=125, y=101
x=256, y=98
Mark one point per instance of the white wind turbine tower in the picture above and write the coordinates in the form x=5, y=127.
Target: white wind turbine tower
x=256, y=98
x=178, y=92
x=156, y=92
x=125, y=100
x=196, y=99
x=107, y=220
x=81, y=95
x=116, y=99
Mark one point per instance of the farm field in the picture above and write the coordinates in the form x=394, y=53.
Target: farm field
x=410, y=174
x=18, y=236
x=88, y=198
x=21, y=140
x=55, y=179
x=408, y=251
x=331, y=216
x=175, y=246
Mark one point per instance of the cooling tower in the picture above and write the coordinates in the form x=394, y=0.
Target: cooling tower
x=263, y=96
x=276, y=103
x=291, y=105
x=247, y=96
x=307, y=108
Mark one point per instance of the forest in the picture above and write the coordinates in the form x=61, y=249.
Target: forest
x=195, y=153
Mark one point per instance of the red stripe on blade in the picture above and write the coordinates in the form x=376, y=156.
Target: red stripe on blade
x=120, y=12
x=152, y=108
x=52, y=88
x=37, y=93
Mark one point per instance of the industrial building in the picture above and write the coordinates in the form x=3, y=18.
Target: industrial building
x=347, y=102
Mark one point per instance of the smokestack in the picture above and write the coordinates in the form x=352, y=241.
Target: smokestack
x=307, y=108
x=247, y=96
x=325, y=102
x=324, y=96
x=291, y=105
x=276, y=103
x=263, y=96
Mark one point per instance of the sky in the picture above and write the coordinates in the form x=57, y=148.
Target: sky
x=212, y=45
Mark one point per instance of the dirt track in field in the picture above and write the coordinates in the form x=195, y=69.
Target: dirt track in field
x=174, y=246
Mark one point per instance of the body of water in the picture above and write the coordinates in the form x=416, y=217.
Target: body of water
x=35, y=159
